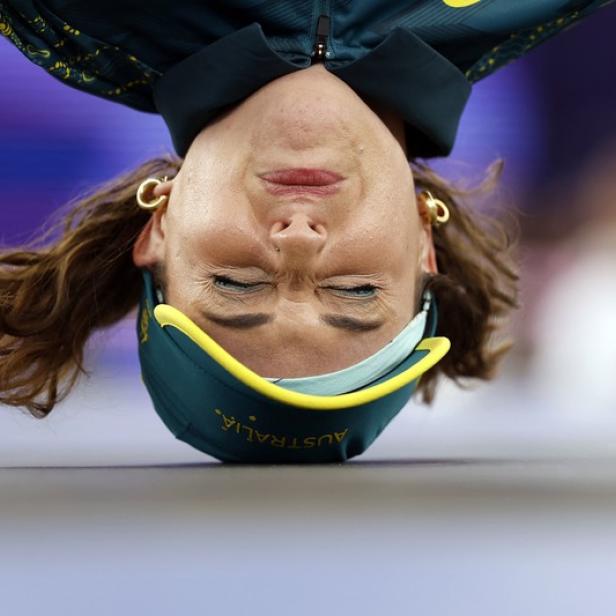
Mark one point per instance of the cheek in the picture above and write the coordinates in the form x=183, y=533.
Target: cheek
x=390, y=239
x=224, y=234
x=392, y=209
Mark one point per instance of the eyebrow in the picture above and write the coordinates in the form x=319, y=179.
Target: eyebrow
x=249, y=320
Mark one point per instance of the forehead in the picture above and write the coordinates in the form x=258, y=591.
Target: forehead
x=276, y=350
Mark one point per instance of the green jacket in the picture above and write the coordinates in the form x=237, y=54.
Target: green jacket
x=190, y=60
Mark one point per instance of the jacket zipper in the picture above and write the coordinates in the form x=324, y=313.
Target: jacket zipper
x=319, y=51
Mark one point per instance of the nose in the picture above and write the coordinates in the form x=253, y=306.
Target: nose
x=298, y=237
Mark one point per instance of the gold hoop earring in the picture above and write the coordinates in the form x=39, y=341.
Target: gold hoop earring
x=144, y=187
x=437, y=210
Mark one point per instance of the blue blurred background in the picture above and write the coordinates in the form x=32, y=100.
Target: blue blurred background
x=551, y=115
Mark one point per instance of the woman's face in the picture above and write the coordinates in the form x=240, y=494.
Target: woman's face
x=290, y=282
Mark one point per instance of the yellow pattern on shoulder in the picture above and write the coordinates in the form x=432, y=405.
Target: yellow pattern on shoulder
x=460, y=4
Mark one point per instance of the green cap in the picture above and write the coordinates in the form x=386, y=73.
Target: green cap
x=216, y=404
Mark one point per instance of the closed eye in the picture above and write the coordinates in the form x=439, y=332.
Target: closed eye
x=365, y=290
x=357, y=291
x=228, y=283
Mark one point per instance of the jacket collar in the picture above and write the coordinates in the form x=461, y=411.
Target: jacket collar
x=403, y=73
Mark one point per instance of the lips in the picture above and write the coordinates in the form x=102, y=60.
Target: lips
x=302, y=177
x=302, y=181
x=281, y=189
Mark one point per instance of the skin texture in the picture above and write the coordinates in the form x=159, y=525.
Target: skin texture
x=299, y=249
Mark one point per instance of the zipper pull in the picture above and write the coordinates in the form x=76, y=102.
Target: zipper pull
x=320, y=46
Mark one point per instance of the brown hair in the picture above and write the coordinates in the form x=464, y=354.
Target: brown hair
x=476, y=286
x=78, y=276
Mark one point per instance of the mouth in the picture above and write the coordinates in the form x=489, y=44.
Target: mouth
x=302, y=181
x=302, y=177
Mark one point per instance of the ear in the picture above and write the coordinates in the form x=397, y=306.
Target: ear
x=149, y=247
x=427, y=252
